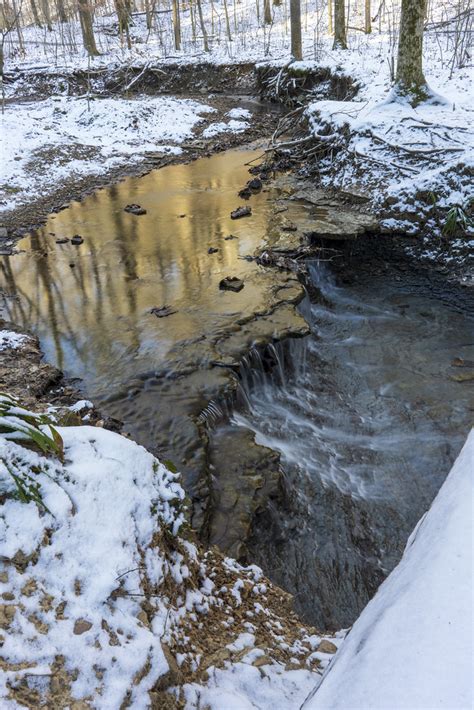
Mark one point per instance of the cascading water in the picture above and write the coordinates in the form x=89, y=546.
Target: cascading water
x=367, y=421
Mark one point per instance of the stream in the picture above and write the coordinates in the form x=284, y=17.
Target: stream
x=367, y=412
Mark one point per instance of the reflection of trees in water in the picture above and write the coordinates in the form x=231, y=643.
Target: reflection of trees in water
x=95, y=311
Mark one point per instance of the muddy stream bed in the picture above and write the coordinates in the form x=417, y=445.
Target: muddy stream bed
x=350, y=383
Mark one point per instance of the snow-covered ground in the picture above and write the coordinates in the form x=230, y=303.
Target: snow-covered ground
x=45, y=142
x=412, y=646
x=412, y=162
x=105, y=599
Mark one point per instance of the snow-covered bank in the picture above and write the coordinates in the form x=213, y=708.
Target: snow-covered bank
x=63, y=137
x=106, y=601
x=412, y=646
x=415, y=163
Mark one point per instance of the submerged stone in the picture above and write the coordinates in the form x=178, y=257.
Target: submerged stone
x=231, y=283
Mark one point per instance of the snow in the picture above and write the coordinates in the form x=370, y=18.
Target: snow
x=412, y=646
x=231, y=126
x=100, y=520
x=242, y=686
x=9, y=340
x=77, y=136
x=80, y=569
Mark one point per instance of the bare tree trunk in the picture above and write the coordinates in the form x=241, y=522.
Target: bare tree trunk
x=85, y=16
x=203, y=27
x=267, y=12
x=330, y=18
x=34, y=10
x=340, y=41
x=368, y=21
x=148, y=15
x=46, y=14
x=295, y=22
x=123, y=10
x=227, y=21
x=176, y=25
x=410, y=80
x=61, y=10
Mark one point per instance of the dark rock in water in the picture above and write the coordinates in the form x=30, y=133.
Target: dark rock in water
x=135, y=209
x=77, y=239
x=181, y=216
x=72, y=265
x=255, y=185
x=212, y=250
x=245, y=194
x=162, y=311
x=231, y=236
x=241, y=212
x=231, y=283
x=265, y=176
x=63, y=240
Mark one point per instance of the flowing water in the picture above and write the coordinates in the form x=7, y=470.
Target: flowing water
x=365, y=411
x=368, y=420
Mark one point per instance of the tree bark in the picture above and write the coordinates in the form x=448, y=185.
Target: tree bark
x=176, y=25
x=330, y=18
x=267, y=12
x=34, y=10
x=61, y=10
x=203, y=27
x=46, y=14
x=410, y=80
x=85, y=17
x=368, y=21
x=340, y=41
x=295, y=22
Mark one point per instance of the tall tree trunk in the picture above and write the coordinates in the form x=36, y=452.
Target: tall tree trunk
x=176, y=25
x=295, y=22
x=61, y=10
x=46, y=14
x=123, y=10
x=410, y=80
x=330, y=17
x=368, y=21
x=267, y=12
x=203, y=27
x=340, y=41
x=85, y=16
x=34, y=10
x=148, y=15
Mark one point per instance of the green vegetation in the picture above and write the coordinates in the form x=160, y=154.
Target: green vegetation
x=28, y=428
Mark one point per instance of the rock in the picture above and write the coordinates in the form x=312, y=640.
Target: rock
x=81, y=626
x=245, y=193
x=231, y=236
x=255, y=185
x=77, y=239
x=71, y=266
x=241, y=212
x=288, y=226
x=3, y=233
x=231, y=283
x=63, y=240
x=162, y=311
x=135, y=209
x=326, y=647
x=212, y=250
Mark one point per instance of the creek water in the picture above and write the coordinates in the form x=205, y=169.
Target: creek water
x=368, y=416
x=365, y=411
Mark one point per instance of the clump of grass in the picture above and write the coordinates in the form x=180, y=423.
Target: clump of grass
x=26, y=427
x=19, y=424
x=457, y=221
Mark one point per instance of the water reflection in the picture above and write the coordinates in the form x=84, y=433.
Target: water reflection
x=90, y=304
